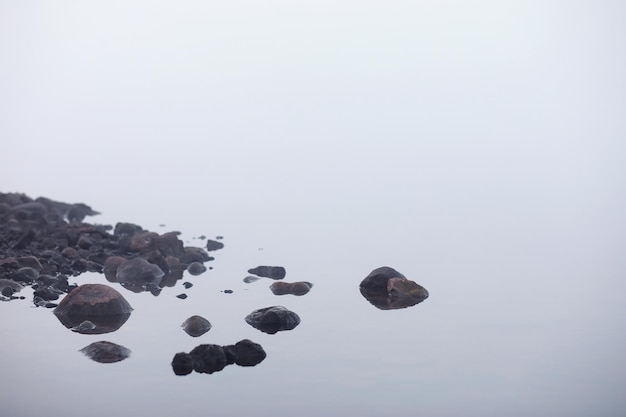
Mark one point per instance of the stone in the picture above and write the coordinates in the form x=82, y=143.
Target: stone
x=196, y=268
x=273, y=319
x=106, y=352
x=98, y=303
x=387, y=289
x=273, y=272
x=379, y=277
x=182, y=296
x=110, y=267
x=85, y=327
x=208, y=358
x=138, y=272
x=251, y=278
x=182, y=364
x=212, y=245
x=196, y=326
x=294, y=288
x=246, y=353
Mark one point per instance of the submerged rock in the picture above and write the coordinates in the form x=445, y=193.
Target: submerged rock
x=196, y=268
x=212, y=245
x=106, y=352
x=295, y=288
x=196, y=326
x=251, y=278
x=273, y=319
x=273, y=272
x=388, y=289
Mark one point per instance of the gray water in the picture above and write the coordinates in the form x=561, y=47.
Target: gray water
x=478, y=149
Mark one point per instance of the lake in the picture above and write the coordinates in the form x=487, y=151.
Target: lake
x=477, y=150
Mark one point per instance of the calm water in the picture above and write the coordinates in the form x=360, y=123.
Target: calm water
x=478, y=149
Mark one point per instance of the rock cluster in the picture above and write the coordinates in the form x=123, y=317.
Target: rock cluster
x=209, y=358
x=295, y=288
x=43, y=242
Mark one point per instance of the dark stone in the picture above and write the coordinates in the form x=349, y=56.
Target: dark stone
x=273, y=272
x=273, y=319
x=212, y=245
x=182, y=296
x=138, y=274
x=98, y=303
x=250, y=278
x=106, y=352
x=295, y=288
x=379, y=277
x=47, y=293
x=246, y=353
x=208, y=358
x=387, y=289
x=228, y=291
x=196, y=268
x=187, y=284
x=196, y=326
x=182, y=364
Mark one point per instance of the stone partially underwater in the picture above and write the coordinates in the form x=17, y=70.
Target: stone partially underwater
x=196, y=326
x=210, y=358
x=388, y=289
x=93, y=309
x=106, y=352
x=273, y=319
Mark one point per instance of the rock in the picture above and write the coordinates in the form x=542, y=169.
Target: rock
x=111, y=264
x=98, y=303
x=106, y=352
x=250, y=278
x=187, y=284
x=273, y=319
x=273, y=272
x=212, y=245
x=208, y=358
x=246, y=353
x=196, y=326
x=295, y=288
x=387, y=289
x=379, y=277
x=138, y=273
x=182, y=296
x=182, y=364
x=85, y=327
x=196, y=268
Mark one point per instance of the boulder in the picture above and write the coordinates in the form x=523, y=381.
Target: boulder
x=100, y=304
x=273, y=319
x=379, y=277
x=209, y=358
x=245, y=353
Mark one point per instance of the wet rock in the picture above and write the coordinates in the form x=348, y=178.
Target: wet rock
x=47, y=293
x=273, y=319
x=30, y=262
x=295, y=288
x=187, y=284
x=182, y=296
x=212, y=245
x=196, y=326
x=387, y=289
x=273, y=272
x=196, y=268
x=9, y=287
x=170, y=245
x=110, y=267
x=227, y=291
x=26, y=274
x=106, y=352
x=98, y=303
